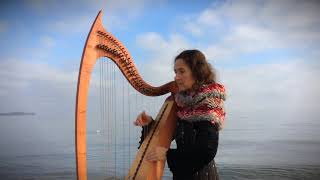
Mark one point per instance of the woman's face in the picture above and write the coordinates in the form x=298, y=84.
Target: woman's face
x=183, y=77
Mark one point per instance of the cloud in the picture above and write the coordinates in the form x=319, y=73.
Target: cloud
x=162, y=52
x=290, y=14
x=277, y=92
x=252, y=26
x=296, y=22
x=201, y=24
x=69, y=24
x=252, y=39
x=151, y=41
x=23, y=72
x=243, y=39
x=154, y=42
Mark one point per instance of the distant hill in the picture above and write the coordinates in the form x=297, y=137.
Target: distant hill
x=18, y=114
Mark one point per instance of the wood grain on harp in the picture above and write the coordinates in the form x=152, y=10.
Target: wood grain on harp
x=101, y=43
x=160, y=135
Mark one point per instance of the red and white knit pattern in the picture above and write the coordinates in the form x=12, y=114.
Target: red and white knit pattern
x=204, y=105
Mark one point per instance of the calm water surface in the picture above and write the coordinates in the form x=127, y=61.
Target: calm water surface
x=45, y=151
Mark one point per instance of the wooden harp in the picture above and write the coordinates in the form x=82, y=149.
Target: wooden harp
x=101, y=43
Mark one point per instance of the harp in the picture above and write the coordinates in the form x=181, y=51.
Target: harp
x=101, y=43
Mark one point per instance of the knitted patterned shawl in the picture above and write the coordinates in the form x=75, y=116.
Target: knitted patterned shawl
x=204, y=105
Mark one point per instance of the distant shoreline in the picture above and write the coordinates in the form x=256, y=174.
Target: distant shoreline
x=18, y=114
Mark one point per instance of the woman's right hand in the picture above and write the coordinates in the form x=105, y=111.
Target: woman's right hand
x=143, y=119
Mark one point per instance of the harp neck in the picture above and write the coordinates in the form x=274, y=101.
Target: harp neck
x=104, y=44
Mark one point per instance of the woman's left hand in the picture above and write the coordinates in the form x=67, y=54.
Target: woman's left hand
x=157, y=154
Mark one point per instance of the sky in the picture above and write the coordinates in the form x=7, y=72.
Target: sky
x=266, y=53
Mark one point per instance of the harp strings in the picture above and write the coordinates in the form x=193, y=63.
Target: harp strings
x=119, y=105
x=115, y=120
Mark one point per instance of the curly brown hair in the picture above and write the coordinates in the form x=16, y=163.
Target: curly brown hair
x=201, y=69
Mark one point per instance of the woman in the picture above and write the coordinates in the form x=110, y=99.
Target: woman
x=200, y=118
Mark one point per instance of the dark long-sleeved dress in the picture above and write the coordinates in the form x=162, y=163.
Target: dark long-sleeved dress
x=197, y=145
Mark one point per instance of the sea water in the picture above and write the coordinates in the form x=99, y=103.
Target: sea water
x=33, y=148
